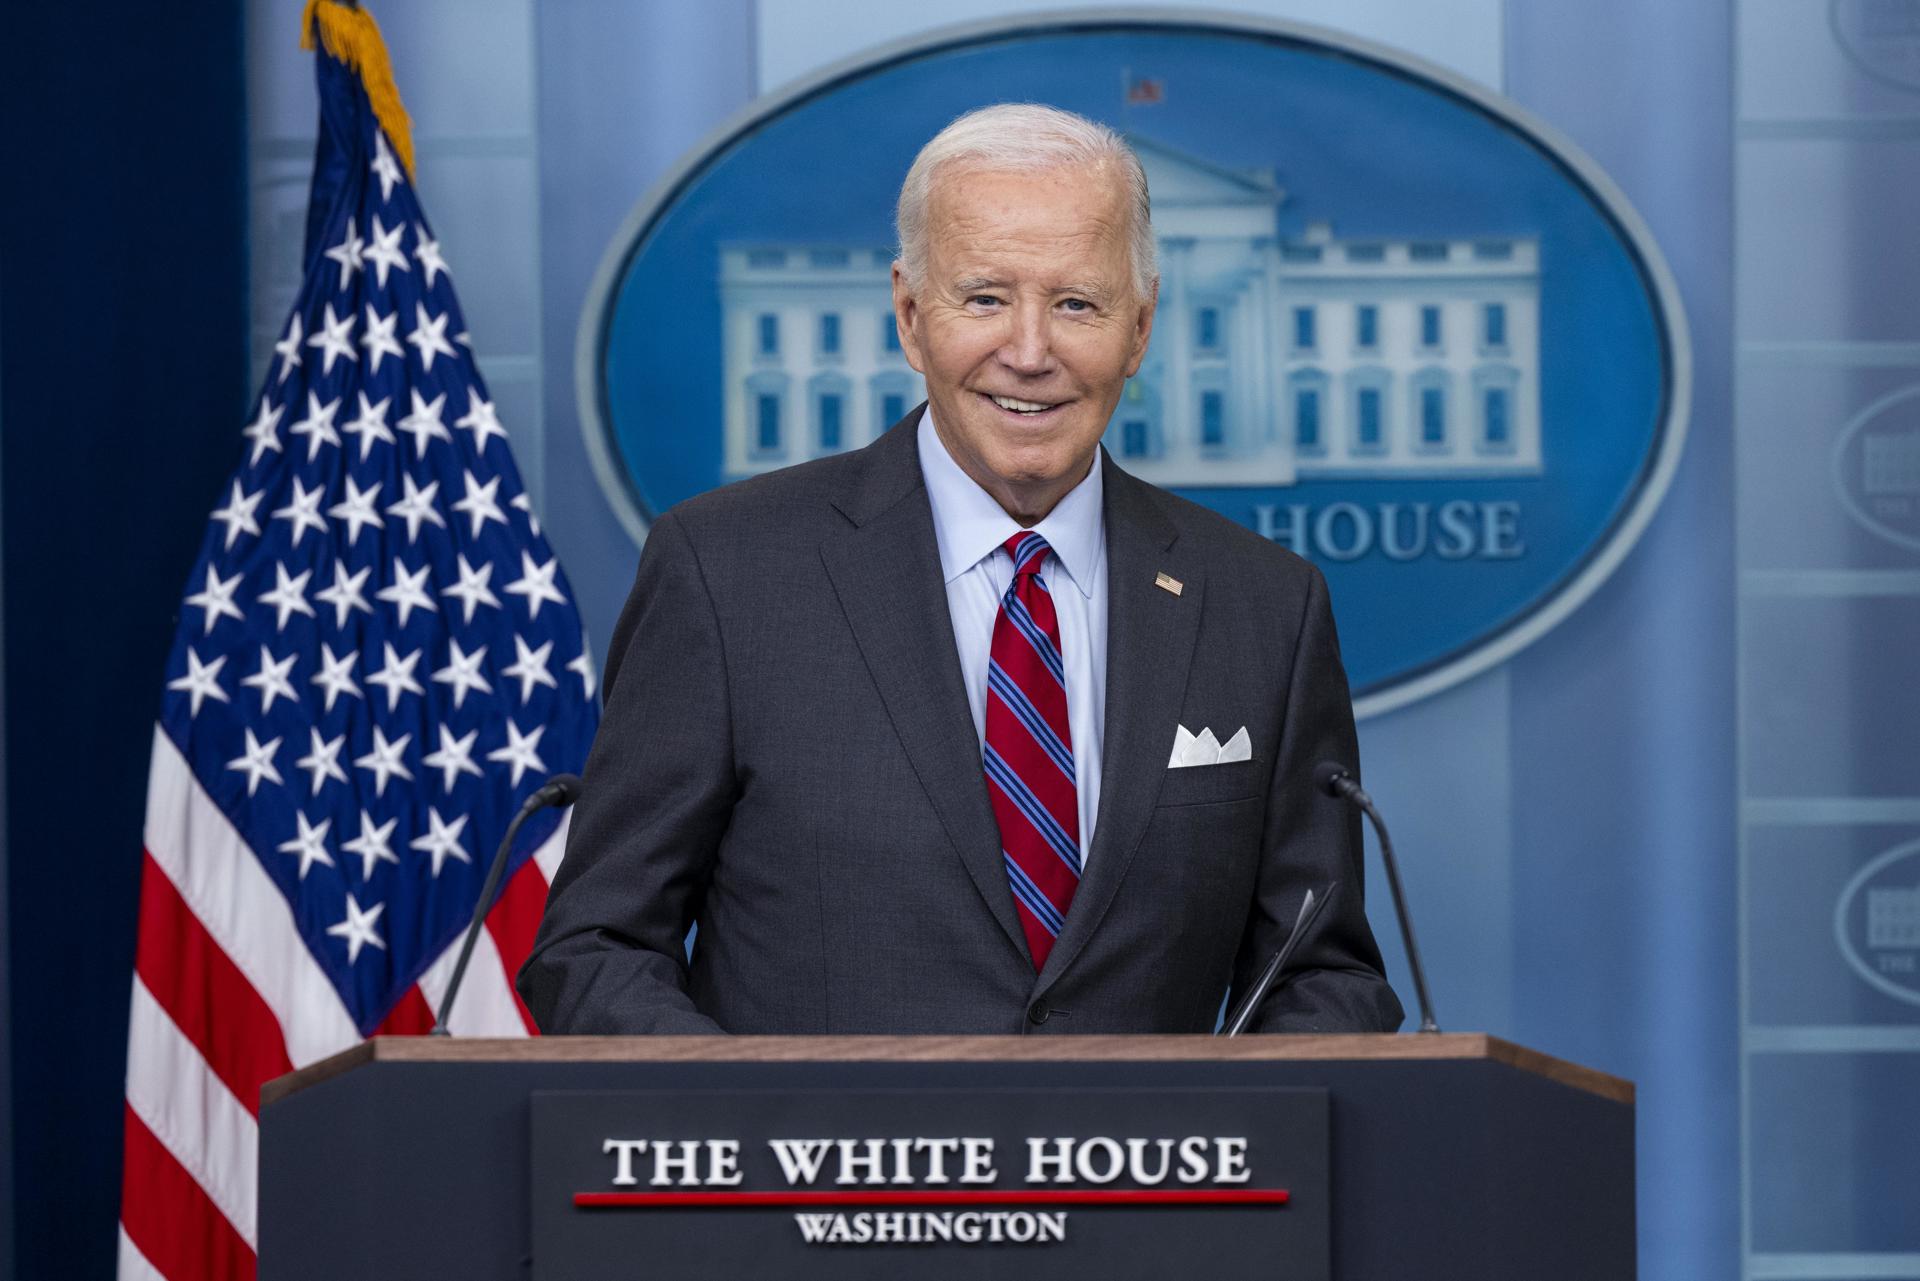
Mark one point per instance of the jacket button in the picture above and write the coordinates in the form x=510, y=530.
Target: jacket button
x=1038, y=1012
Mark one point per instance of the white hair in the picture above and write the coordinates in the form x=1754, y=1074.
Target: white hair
x=1025, y=137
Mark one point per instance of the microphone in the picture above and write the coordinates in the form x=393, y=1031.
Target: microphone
x=1336, y=781
x=561, y=791
x=1309, y=913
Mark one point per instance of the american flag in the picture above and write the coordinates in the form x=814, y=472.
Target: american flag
x=377, y=659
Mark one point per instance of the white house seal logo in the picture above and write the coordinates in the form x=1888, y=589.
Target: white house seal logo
x=1877, y=922
x=1403, y=329
x=1876, y=467
x=1881, y=37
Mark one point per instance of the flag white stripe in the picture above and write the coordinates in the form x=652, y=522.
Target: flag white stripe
x=133, y=1264
x=485, y=1006
x=191, y=1111
x=551, y=850
x=205, y=857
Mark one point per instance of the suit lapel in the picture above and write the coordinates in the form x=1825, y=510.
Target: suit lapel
x=1150, y=639
x=886, y=572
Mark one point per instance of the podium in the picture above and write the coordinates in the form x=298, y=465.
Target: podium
x=1430, y=1156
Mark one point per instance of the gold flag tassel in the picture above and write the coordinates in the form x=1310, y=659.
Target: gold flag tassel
x=352, y=36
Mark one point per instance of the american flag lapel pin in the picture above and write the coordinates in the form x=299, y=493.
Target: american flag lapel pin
x=1168, y=583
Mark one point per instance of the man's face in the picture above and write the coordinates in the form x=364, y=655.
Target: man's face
x=1027, y=325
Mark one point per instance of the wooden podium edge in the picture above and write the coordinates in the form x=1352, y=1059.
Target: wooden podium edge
x=1408, y=1047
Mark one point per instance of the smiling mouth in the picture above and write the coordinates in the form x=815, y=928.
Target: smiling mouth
x=1022, y=408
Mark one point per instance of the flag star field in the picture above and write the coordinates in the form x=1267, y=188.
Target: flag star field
x=378, y=656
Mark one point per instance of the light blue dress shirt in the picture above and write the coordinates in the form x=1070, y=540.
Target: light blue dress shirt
x=971, y=526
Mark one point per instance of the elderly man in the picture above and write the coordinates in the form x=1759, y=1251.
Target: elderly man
x=895, y=728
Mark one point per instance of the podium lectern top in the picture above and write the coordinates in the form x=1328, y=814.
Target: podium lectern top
x=1407, y=1047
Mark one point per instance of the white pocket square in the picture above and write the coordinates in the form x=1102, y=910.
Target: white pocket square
x=1203, y=748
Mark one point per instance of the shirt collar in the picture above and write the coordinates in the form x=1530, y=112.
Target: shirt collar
x=970, y=525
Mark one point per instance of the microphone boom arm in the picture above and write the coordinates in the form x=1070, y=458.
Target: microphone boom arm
x=561, y=790
x=1335, y=781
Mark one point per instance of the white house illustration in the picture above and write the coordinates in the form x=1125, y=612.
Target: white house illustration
x=1272, y=358
x=1893, y=918
x=1890, y=464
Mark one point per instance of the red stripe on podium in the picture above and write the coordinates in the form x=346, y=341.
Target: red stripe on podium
x=983, y=1196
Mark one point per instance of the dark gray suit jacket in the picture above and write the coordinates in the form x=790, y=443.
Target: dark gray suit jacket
x=788, y=759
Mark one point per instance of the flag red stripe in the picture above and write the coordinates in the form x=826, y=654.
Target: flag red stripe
x=204, y=993
x=410, y=1016
x=513, y=922
x=170, y=1217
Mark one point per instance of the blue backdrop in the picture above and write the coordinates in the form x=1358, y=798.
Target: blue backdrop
x=1569, y=818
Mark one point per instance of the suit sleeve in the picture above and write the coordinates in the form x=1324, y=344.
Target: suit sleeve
x=660, y=786
x=1336, y=983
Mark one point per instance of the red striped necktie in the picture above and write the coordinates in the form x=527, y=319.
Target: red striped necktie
x=1029, y=751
